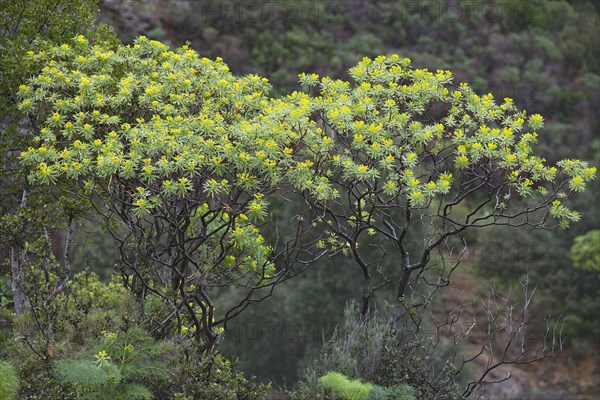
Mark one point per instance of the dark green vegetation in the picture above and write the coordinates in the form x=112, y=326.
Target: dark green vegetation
x=81, y=337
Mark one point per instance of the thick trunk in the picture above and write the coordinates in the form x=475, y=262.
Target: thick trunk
x=399, y=308
x=402, y=284
x=366, y=297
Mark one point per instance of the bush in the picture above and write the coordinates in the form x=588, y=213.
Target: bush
x=400, y=392
x=585, y=251
x=399, y=362
x=99, y=348
x=9, y=381
x=123, y=364
x=338, y=385
x=95, y=381
x=207, y=377
x=345, y=388
x=73, y=322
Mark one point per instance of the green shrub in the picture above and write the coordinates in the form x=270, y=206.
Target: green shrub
x=207, y=377
x=86, y=373
x=9, y=381
x=99, y=350
x=345, y=388
x=76, y=324
x=400, y=392
x=342, y=388
x=124, y=362
x=399, y=362
x=585, y=252
x=98, y=381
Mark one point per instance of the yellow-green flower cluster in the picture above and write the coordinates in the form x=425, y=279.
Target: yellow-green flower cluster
x=407, y=133
x=374, y=121
x=169, y=121
x=179, y=126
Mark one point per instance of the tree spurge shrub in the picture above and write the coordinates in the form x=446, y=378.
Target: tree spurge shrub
x=183, y=153
x=181, y=158
x=417, y=160
x=179, y=125
x=157, y=125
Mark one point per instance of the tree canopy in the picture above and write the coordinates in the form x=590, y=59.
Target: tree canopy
x=185, y=156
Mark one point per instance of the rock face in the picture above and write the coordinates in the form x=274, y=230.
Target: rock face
x=134, y=18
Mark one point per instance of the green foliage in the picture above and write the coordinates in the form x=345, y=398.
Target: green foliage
x=559, y=36
x=90, y=306
x=399, y=362
x=28, y=26
x=135, y=353
x=585, y=251
x=344, y=388
x=78, y=315
x=383, y=141
x=338, y=386
x=211, y=377
x=99, y=351
x=93, y=382
x=87, y=376
x=401, y=392
x=9, y=381
x=385, y=145
x=169, y=96
x=73, y=322
x=148, y=129
x=47, y=20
